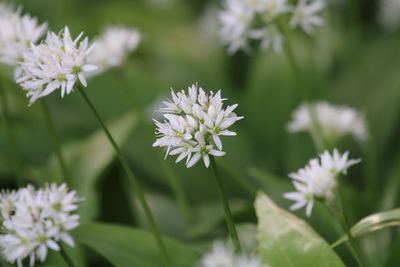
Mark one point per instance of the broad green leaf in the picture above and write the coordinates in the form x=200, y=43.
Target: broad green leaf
x=285, y=240
x=373, y=223
x=87, y=160
x=129, y=247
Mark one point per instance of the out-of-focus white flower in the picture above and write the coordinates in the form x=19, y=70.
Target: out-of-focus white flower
x=222, y=255
x=57, y=63
x=17, y=32
x=318, y=179
x=193, y=124
x=270, y=8
x=269, y=36
x=305, y=15
x=113, y=46
x=35, y=221
x=6, y=9
x=334, y=121
x=235, y=19
x=389, y=14
x=243, y=20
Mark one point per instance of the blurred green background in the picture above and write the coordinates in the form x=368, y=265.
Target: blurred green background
x=351, y=60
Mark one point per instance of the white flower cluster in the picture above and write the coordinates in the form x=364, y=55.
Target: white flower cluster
x=223, y=256
x=33, y=221
x=57, y=63
x=193, y=125
x=246, y=20
x=333, y=121
x=17, y=32
x=113, y=46
x=318, y=179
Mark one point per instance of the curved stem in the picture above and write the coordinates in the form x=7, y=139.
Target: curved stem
x=341, y=215
x=66, y=258
x=315, y=131
x=132, y=179
x=228, y=214
x=55, y=139
x=11, y=137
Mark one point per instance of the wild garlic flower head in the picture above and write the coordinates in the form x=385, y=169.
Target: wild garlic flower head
x=305, y=15
x=193, y=124
x=59, y=62
x=317, y=181
x=34, y=221
x=334, y=121
x=245, y=21
x=222, y=255
x=113, y=47
x=17, y=32
x=235, y=19
x=389, y=14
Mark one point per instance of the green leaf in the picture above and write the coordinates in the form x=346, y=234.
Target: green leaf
x=128, y=247
x=87, y=160
x=373, y=223
x=285, y=240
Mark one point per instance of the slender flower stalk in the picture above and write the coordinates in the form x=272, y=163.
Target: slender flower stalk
x=344, y=222
x=66, y=258
x=61, y=63
x=228, y=214
x=132, y=179
x=11, y=136
x=55, y=139
x=316, y=133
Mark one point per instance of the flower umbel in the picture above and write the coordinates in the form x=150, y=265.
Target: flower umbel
x=245, y=21
x=222, y=255
x=17, y=32
x=317, y=181
x=113, y=47
x=57, y=63
x=334, y=121
x=34, y=221
x=193, y=125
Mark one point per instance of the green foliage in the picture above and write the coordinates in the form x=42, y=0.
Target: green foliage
x=126, y=247
x=285, y=240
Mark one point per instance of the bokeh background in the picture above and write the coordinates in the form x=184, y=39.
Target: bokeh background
x=353, y=60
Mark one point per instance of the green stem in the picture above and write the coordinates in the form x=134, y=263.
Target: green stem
x=341, y=215
x=228, y=215
x=250, y=188
x=66, y=258
x=316, y=132
x=132, y=179
x=11, y=137
x=55, y=139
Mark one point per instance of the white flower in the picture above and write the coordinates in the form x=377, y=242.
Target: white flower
x=193, y=124
x=389, y=14
x=337, y=163
x=39, y=221
x=270, y=38
x=17, y=32
x=271, y=8
x=57, y=63
x=318, y=179
x=305, y=15
x=334, y=121
x=235, y=19
x=222, y=255
x=113, y=47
